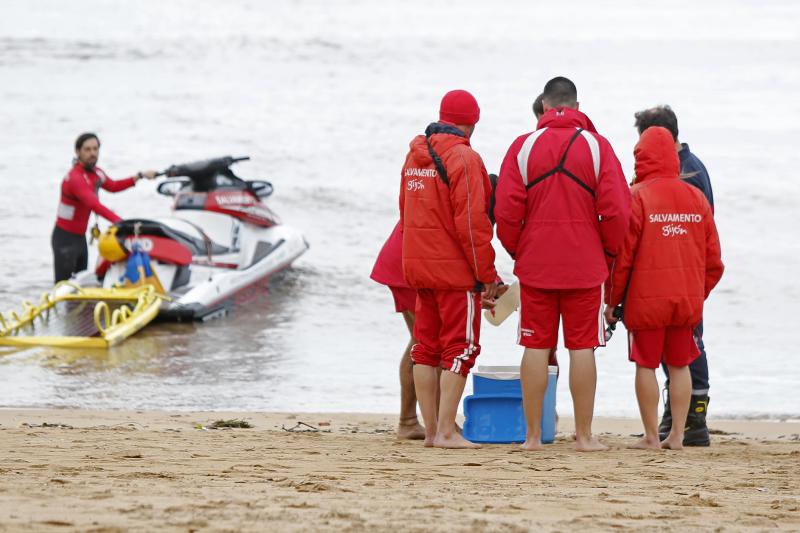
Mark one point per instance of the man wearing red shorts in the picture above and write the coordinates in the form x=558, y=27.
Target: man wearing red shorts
x=562, y=212
x=448, y=258
x=667, y=267
x=388, y=270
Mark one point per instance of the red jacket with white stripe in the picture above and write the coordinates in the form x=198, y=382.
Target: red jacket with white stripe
x=447, y=235
x=561, y=217
x=671, y=257
x=79, y=197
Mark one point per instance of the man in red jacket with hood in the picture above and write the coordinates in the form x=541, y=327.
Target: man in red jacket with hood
x=448, y=258
x=667, y=267
x=562, y=211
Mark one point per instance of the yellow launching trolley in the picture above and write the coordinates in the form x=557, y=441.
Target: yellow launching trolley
x=76, y=317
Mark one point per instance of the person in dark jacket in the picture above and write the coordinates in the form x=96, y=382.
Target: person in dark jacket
x=694, y=173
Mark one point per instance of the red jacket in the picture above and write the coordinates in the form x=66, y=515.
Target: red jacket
x=388, y=268
x=447, y=236
x=79, y=197
x=671, y=257
x=561, y=222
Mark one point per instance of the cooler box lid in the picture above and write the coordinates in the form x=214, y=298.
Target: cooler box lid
x=504, y=372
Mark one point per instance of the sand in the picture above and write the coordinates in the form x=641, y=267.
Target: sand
x=71, y=470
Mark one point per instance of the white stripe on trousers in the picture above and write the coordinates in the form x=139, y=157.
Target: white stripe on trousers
x=601, y=319
x=468, y=336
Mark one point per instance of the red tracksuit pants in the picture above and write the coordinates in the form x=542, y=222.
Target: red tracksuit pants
x=447, y=328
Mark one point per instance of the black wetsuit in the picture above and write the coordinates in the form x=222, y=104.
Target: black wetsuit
x=70, y=253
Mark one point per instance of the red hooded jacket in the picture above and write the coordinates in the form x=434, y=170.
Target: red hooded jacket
x=79, y=197
x=388, y=268
x=447, y=235
x=561, y=217
x=671, y=257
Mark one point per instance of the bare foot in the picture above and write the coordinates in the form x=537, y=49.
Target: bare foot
x=532, y=445
x=455, y=441
x=672, y=443
x=592, y=444
x=413, y=431
x=646, y=443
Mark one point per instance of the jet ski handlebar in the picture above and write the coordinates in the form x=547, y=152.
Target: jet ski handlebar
x=202, y=168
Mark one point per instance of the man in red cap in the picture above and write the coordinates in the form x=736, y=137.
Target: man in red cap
x=562, y=212
x=448, y=258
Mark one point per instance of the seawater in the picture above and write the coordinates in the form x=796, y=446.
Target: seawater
x=325, y=97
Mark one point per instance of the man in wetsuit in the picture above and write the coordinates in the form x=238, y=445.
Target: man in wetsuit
x=78, y=200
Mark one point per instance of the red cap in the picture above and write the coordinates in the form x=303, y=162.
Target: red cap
x=459, y=107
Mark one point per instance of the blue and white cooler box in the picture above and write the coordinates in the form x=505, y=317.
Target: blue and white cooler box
x=493, y=412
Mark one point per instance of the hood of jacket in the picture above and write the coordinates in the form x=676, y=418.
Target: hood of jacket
x=655, y=155
x=565, y=117
x=442, y=137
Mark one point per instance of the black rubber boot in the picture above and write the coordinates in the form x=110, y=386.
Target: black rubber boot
x=696, y=433
x=666, y=420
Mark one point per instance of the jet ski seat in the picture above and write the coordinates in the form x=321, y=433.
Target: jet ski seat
x=198, y=247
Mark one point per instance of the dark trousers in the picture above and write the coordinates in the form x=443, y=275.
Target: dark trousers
x=70, y=253
x=699, y=367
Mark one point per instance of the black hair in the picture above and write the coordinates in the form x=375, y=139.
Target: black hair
x=662, y=115
x=560, y=92
x=83, y=137
x=538, y=106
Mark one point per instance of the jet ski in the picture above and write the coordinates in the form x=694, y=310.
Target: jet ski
x=219, y=247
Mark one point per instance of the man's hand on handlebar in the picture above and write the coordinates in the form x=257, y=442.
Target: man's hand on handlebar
x=149, y=174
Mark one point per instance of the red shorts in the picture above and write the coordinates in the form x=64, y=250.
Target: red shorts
x=581, y=311
x=448, y=329
x=676, y=345
x=405, y=299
